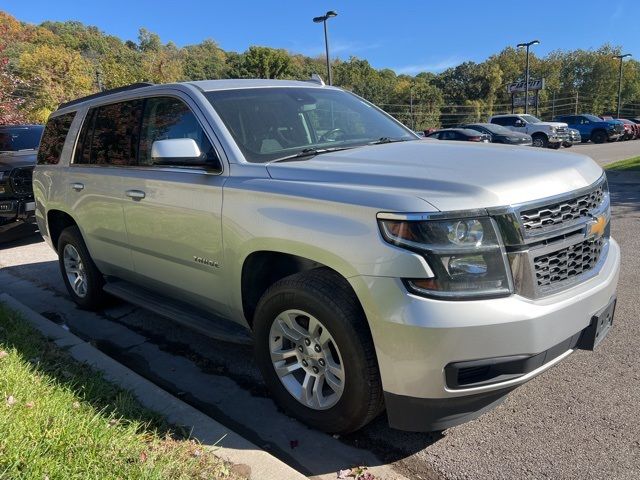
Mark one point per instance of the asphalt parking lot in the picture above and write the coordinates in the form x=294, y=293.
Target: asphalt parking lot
x=578, y=420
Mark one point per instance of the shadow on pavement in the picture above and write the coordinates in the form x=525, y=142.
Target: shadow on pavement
x=21, y=235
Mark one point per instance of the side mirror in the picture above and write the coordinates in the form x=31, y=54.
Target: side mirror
x=179, y=152
x=519, y=123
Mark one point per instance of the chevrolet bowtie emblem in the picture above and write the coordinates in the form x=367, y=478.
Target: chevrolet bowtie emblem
x=597, y=226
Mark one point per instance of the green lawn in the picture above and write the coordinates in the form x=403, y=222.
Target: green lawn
x=630, y=164
x=59, y=419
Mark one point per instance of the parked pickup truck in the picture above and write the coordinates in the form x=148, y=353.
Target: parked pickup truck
x=369, y=268
x=593, y=128
x=18, y=146
x=544, y=134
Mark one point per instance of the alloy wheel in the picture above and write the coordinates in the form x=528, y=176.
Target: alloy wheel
x=74, y=270
x=306, y=359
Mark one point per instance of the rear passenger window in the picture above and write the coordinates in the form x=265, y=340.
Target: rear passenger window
x=166, y=118
x=53, y=138
x=110, y=135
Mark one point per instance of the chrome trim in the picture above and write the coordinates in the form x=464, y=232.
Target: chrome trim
x=417, y=217
x=514, y=381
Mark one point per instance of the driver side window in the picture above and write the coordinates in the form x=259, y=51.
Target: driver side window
x=168, y=118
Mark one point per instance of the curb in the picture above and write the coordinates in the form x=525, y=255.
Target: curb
x=229, y=446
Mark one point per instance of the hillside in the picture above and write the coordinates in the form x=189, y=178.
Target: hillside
x=44, y=65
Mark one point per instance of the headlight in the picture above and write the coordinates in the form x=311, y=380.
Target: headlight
x=465, y=254
x=553, y=129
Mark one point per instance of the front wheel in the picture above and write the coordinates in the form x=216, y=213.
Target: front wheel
x=540, y=140
x=316, y=354
x=555, y=146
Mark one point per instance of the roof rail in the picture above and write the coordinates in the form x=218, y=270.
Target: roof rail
x=133, y=86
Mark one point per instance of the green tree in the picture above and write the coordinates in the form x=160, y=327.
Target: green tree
x=55, y=74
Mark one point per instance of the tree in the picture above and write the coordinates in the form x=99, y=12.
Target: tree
x=203, y=61
x=263, y=62
x=9, y=103
x=56, y=74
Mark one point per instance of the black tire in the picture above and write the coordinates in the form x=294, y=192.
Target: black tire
x=555, y=146
x=599, y=136
x=567, y=145
x=329, y=298
x=540, y=140
x=95, y=298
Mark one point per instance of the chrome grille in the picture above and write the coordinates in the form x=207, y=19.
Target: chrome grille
x=558, y=213
x=567, y=262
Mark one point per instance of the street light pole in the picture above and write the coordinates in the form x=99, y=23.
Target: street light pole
x=526, y=75
x=323, y=19
x=620, y=57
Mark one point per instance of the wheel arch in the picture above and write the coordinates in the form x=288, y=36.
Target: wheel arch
x=57, y=221
x=262, y=268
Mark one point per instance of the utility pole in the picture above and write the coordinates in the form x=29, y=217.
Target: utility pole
x=323, y=19
x=620, y=57
x=413, y=121
x=553, y=106
x=576, y=112
x=526, y=75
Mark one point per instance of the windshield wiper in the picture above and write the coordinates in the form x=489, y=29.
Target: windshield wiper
x=309, y=152
x=382, y=140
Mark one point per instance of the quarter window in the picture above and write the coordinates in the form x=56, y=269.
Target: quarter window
x=53, y=138
x=167, y=118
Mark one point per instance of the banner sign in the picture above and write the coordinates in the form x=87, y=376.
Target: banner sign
x=519, y=86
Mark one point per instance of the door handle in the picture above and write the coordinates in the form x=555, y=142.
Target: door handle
x=136, y=194
x=77, y=186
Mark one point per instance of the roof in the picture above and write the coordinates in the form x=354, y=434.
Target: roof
x=203, y=85
x=229, y=84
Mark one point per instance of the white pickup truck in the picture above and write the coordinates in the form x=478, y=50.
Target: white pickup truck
x=544, y=134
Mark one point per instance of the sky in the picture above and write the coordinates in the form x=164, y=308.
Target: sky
x=407, y=36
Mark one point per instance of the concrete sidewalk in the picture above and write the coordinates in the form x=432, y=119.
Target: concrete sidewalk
x=227, y=444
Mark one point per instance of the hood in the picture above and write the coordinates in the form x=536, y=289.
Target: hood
x=552, y=124
x=22, y=158
x=448, y=175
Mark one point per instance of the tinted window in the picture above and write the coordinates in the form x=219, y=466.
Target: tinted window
x=166, y=118
x=505, y=121
x=53, y=138
x=110, y=134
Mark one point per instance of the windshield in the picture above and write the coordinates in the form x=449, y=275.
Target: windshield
x=493, y=128
x=20, y=138
x=592, y=118
x=530, y=119
x=274, y=123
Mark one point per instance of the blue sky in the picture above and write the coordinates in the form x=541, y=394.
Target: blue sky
x=408, y=36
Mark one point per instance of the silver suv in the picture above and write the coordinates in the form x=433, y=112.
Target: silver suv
x=544, y=134
x=371, y=269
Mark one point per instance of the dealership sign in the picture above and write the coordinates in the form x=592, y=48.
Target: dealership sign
x=534, y=85
x=519, y=101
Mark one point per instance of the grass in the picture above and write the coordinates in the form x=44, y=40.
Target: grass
x=59, y=419
x=629, y=165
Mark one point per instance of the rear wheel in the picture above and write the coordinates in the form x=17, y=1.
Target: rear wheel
x=316, y=353
x=82, y=278
x=540, y=140
x=598, y=136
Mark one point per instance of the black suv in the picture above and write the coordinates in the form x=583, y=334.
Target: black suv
x=18, y=149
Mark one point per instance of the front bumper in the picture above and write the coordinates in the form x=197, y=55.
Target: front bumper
x=14, y=211
x=416, y=338
x=558, y=137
